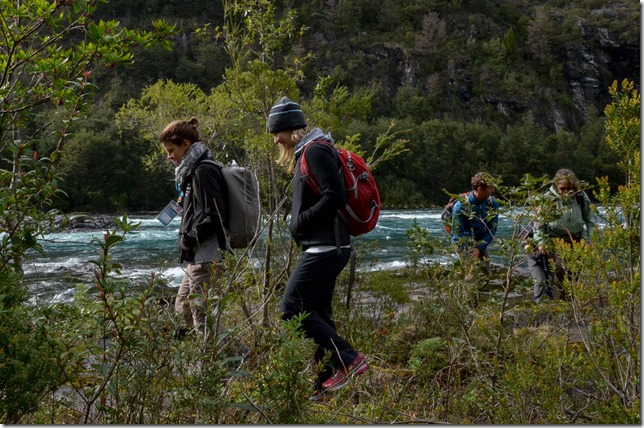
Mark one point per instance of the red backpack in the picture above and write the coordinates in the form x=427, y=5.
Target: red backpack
x=446, y=215
x=363, y=200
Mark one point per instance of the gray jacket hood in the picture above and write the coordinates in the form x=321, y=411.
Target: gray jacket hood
x=313, y=135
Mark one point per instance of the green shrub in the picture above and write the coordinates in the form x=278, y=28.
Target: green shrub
x=285, y=382
x=27, y=365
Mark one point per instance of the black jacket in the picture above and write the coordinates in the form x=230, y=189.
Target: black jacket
x=201, y=235
x=314, y=218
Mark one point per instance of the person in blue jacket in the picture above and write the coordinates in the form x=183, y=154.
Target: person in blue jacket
x=474, y=220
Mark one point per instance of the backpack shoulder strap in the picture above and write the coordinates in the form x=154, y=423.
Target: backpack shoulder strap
x=316, y=142
x=466, y=197
x=581, y=201
x=212, y=162
x=304, y=169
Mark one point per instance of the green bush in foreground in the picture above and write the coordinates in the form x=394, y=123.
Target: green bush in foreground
x=27, y=371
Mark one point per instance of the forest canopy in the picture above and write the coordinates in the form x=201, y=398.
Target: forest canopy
x=512, y=88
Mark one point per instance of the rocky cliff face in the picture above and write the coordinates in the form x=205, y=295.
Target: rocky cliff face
x=603, y=56
x=554, y=68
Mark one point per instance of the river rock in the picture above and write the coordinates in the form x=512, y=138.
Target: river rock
x=89, y=221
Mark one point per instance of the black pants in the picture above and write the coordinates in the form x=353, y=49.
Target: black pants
x=310, y=290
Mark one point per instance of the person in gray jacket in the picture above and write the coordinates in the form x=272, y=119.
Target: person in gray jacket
x=201, y=235
x=574, y=222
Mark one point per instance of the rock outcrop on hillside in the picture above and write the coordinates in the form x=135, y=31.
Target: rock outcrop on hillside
x=550, y=65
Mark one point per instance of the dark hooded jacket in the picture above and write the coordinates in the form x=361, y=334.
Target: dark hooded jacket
x=202, y=233
x=314, y=218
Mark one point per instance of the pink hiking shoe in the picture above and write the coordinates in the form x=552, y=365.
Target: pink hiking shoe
x=341, y=377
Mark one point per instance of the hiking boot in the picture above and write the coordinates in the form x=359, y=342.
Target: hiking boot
x=341, y=377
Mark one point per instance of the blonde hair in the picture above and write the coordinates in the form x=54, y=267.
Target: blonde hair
x=287, y=154
x=566, y=175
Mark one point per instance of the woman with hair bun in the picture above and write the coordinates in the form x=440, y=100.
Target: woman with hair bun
x=201, y=234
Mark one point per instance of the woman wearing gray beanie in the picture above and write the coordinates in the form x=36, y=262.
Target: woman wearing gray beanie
x=285, y=115
x=323, y=237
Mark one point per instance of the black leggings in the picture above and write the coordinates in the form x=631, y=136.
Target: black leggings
x=310, y=290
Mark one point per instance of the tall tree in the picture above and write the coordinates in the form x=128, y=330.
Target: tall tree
x=47, y=51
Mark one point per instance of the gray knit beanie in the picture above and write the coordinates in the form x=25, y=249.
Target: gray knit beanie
x=285, y=115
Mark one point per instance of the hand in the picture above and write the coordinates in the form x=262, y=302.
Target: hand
x=542, y=250
x=187, y=242
x=476, y=252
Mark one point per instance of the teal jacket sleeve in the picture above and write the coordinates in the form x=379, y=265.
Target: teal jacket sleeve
x=458, y=222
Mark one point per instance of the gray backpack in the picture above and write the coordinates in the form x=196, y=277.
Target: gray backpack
x=242, y=205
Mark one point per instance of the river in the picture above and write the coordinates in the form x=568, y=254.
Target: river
x=52, y=278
